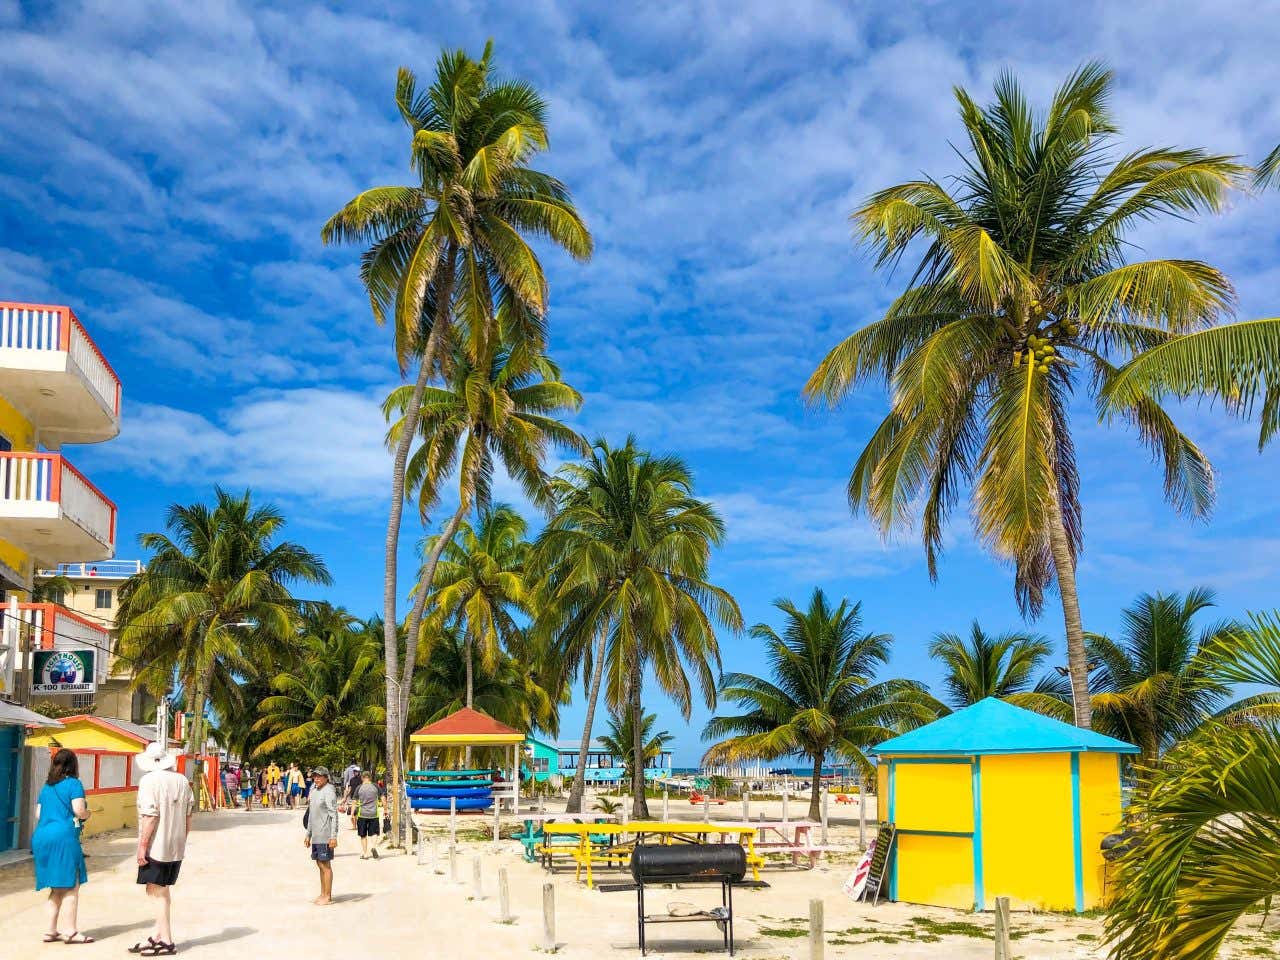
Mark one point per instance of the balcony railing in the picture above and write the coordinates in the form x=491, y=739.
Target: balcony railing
x=49, y=509
x=54, y=363
x=106, y=569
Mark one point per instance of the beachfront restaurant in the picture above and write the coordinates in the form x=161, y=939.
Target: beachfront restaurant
x=996, y=801
x=548, y=759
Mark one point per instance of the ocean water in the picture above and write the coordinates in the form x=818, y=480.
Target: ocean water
x=805, y=772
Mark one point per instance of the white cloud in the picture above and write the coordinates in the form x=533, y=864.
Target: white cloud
x=317, y=445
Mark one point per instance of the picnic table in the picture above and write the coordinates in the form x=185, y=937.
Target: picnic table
x=793, y=836
x=534, y=835
x=607, y=843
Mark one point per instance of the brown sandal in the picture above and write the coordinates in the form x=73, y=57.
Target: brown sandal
x=143, y=945
x=52, y=938
x=77, y=938
x=159, y=948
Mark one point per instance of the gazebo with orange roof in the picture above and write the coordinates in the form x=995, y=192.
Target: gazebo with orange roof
x=470, y=728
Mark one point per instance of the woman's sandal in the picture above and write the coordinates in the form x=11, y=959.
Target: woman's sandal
x=52, y=938
x=143, y=945
x=159, y=948
x=77, y=938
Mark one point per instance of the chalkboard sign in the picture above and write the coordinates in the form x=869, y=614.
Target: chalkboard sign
x=885, y=837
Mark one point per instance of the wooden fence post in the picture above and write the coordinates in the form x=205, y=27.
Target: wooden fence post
x=706, y=808
x=504, y=897
x=817, y=938
x=476, y=890
x=453, y=821
x=1004, y=951
x=665, y=817
x=746, y=804
x=453, y=864
x=496, y=827
x=826, y=795
x=549, y=918
x=862, y=810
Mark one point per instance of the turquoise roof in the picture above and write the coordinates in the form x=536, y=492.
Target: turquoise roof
x=993, y=726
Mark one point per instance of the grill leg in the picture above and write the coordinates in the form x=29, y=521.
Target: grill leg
x=728, y=890
x=640, y=915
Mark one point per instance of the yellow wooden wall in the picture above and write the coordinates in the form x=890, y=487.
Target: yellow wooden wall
x=1100, y=813
x=1028, y=851
x=937, y=798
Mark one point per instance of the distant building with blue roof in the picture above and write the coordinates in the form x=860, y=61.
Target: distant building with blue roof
x=994, y=800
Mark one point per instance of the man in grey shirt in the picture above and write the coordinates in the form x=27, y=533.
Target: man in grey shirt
x=367, y=823
x=322, y=830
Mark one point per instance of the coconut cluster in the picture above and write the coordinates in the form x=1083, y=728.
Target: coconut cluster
x=1040, y=352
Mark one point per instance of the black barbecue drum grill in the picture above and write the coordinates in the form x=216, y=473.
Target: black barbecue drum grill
x=688, y=864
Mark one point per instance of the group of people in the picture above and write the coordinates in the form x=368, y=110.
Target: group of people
x=165, y=805
x=270, y=786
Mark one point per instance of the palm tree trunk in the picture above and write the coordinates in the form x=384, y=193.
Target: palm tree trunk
x=815, y=793
x=196, y=735
x=398, y=699
x=597, y=674
x=639, y=803
x=469, y=647
x=1077, y=660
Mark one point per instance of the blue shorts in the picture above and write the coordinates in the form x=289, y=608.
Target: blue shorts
x=321, y=852
x=295, y=790
x=246, y=793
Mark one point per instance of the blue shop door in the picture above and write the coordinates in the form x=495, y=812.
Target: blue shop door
x=10, y=754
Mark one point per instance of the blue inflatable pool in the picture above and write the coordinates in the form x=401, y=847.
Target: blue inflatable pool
x=442, y=803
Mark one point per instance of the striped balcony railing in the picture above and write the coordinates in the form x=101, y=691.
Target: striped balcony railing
x=49, y=509
x=54, y=361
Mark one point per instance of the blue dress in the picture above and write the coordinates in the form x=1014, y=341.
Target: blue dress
x=55, y=844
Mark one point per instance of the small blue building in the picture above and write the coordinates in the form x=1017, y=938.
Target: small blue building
x=560, y=758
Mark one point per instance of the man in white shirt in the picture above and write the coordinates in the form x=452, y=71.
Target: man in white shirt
x=165, y=803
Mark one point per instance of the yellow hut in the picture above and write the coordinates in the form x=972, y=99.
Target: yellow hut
x=996, y=801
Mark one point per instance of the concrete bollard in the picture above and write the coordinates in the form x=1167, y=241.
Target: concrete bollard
x=746, y=804
x=476, y=890
x=497, y=829
x=665, y=817
x=453, y=864
x=786, y=801
x=504, y=897
x=549, y=918
x=817, y=938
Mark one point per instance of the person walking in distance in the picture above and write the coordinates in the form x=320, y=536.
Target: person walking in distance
x=321, y=823
x=165, y=802
x=293, y=785
x=366, y=805
x=349, y=797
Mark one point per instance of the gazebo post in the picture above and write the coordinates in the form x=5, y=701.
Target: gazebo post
x=417, y=756
x=515, y=767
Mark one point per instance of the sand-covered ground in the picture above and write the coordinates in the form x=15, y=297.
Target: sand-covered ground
x=247, y=884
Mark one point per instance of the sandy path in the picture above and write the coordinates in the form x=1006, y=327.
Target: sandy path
x=247, y=883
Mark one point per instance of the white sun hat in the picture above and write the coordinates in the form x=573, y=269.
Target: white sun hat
x=155, y=757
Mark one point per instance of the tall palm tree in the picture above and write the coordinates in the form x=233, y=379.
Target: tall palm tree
x=335, y=687
x=822, y=698
x=1005, y=666
x=214, y=601
x=1207, y=848
x=454, y=244
x=479, y=584
x=1160, y=682
x=625, y=587
x=621, y=738
x=1022, y=296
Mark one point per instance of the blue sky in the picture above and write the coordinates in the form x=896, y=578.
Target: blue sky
x=167, y=168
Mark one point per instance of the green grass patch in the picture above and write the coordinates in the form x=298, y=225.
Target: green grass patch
x=783, y=932
x=951, y=928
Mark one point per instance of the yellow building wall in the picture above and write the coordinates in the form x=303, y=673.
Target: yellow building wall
x=1100, y=812
x=20, y=433
x=1028, y=851
x=83, y=735
x=112, y=811
x=935, y=797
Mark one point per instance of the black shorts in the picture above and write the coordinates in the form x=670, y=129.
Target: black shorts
x=367, y=826
x=159, y=872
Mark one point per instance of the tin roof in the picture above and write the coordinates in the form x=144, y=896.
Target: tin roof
x=467, y=723
x=992, y=726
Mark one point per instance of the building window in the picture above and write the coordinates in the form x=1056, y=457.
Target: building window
x=102, y=599
x=541, y=765
x=59, y=597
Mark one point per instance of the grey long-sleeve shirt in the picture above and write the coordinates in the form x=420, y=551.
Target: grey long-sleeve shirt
x=322, y=814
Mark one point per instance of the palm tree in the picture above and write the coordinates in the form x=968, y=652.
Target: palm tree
x=336, y=687
x=1159, y=683
x=1021, y=297
x=517, y=689
x=479, y=584
x=621, y=738
x=625, y=586
x=1004, y=666
x=454, y=244
x=1206, y=849
x=213, y=603
x=822, y=699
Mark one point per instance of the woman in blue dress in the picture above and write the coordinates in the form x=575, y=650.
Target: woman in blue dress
x=55, y=845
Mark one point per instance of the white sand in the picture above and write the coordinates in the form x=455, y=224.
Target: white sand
x=247, y=882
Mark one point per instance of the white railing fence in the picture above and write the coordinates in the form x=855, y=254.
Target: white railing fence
x=91, y=363
x=27, y=477
x=31, y=328
x=84, y=505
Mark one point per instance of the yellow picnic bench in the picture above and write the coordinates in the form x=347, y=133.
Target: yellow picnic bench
x=605, y=843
